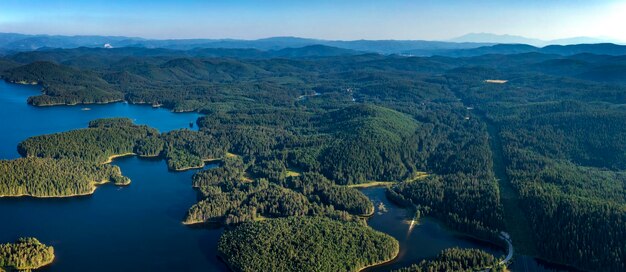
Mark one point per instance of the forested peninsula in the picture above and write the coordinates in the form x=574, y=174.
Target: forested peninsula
x=47, y=177
x=24, y=255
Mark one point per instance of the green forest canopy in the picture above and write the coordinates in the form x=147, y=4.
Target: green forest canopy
x=563, y=143
x=25, y=254
x=305, y=244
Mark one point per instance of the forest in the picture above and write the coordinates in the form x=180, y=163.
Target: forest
x=563, y=157
x=289, y=244
x=291, y=132
x=46, y=177
x=105, y=138
x=230, y=198
x=25, y=254
x=456, y=259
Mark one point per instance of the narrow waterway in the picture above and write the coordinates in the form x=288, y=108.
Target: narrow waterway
x=424, y=240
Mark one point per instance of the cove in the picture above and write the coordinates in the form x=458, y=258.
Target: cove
x=429, y=237
x=424, y=240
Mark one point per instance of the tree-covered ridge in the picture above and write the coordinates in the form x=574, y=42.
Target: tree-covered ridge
x=46, y=177
x=368, y=144
x=459, y=260
x=25, y=254
x=63, y=85
x=304, y=244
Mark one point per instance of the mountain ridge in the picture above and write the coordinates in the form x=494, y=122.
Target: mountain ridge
x=483, y=37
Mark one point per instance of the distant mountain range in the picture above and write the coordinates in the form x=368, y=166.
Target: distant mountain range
x=465, y=46
x=512, y=39
x=508, y=49
x=21, y=42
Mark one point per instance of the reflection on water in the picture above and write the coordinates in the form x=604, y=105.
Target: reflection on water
x=425, y=238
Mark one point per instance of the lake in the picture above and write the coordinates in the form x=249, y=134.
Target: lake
x=138, y=227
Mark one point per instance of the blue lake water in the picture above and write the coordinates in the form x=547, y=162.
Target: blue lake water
x=138, y=227
x=20, y=120
x=133, y=228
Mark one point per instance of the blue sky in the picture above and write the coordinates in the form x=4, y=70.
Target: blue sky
x=338, y=19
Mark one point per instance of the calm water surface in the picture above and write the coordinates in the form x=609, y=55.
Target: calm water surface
x=138, y=227
x=20, y=120
x=424, y=240
x=133, y=228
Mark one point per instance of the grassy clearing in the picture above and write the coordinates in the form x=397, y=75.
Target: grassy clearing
x=417, y=176
x=247, y=178
x=231, y=155
x=372, y=184
x=293, y=173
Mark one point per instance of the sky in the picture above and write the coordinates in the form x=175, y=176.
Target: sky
x=324, y=19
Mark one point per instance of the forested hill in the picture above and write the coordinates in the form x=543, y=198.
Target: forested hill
x=291, y=131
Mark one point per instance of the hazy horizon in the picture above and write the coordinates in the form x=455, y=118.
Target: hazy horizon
x=346, y=20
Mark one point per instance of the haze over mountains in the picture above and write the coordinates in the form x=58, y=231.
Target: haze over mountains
x=513, y=39
x=467, y=45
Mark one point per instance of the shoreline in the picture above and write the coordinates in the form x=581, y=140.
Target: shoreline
x=47, y=263
x=113, y=157
x=366, y=216
x=395, y=257
x=95, y=184
x=78, y=103
x=93, y=190
x=186, y=223
x=204, y=163
x=372, y=184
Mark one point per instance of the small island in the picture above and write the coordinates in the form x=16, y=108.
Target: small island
x=24, y=255
x=305, y=244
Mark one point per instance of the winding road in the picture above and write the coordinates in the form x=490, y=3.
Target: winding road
x=509, y=255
